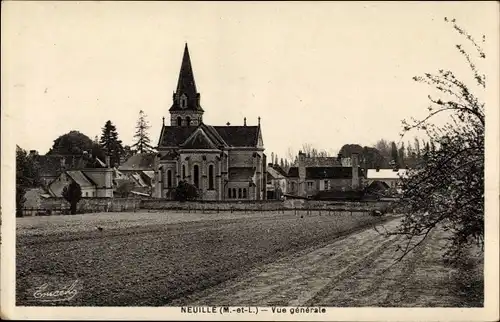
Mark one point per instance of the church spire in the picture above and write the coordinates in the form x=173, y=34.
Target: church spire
x=186, y=109
x=186, y=97
x=186, y=82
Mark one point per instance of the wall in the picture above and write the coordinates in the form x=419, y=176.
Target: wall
x=241, y=158
x=88, y=205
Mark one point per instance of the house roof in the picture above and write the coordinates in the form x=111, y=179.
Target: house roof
x=139, y=161
x=274, y=173
x=52, y=165
x=386, y=174
x=325, y=172
x=241, y=173
x=80, y=178
x=279, y=169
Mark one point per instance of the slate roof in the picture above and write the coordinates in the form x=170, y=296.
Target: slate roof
x=50, y=165
x=199, y=141
x=239, y=136
x=274, y=174
x=325, y=172
x=175, y=135
x=139, y=161
x=234, y=136
x=241, y=173
x=80, y=178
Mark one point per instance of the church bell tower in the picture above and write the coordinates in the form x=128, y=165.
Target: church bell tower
x=186, y=109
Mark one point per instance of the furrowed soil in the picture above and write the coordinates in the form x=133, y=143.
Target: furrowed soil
x=269, y=258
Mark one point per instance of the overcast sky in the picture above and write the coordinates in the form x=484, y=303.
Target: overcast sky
x=320, y=73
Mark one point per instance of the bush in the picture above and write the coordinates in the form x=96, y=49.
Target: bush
x=185, y=191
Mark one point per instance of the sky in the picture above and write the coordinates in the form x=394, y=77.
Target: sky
x=323, y=73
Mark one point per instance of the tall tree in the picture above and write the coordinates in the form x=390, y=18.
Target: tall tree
x=394, y=154
x=27, y=176
x=110, y=143
x=401, y=155
x=448, y=189
x=143, y=143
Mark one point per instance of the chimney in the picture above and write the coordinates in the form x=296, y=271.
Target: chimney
x=228, y=123
x=108, y=162
x=33, y=153
x=245, y=121
x=355, y=171
x=259, y=120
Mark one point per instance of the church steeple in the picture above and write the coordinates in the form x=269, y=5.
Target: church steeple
x=186, y=109
x=186, y=82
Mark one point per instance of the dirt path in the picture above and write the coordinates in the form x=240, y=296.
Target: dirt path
x=346, y=273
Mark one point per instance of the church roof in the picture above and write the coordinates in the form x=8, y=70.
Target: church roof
x=239, y=136
x=234, y=136
x=176, y=135
x=186, y=85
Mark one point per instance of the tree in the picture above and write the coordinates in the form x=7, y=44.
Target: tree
x=185, y=191
x=401, y=155
x=143, y=143
x=384, y=148
x=394, y=154
x=447, y=190
x=71, y=143
x=72, y=193
x=110, y=143
x=27, y=176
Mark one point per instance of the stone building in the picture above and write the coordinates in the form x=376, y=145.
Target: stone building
x=223, y=162
x=324, y=174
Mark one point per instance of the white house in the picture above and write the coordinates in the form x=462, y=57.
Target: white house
x=390, y=176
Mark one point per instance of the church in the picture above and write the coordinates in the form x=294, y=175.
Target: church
x=224, y=162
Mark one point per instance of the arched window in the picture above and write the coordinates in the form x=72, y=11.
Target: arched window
x=244, y=193
x=234, y=192
x=183, y=101
x=183, y=172
x=179, y=121
x=229, y=193
x=188, y=121
x=196, y=174
x=169, y=178
x=239, y=193
x=211, y=177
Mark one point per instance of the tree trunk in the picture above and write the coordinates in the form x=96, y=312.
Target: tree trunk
x=73, y=208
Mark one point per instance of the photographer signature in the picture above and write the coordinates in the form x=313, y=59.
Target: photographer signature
x=43, y=293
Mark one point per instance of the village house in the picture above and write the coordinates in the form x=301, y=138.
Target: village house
x=94, y=182
x=276, y=182
x=324, y=174
x=223, y=162
x=390, y=177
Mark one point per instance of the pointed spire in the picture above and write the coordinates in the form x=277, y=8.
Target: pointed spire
x=186, y=84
